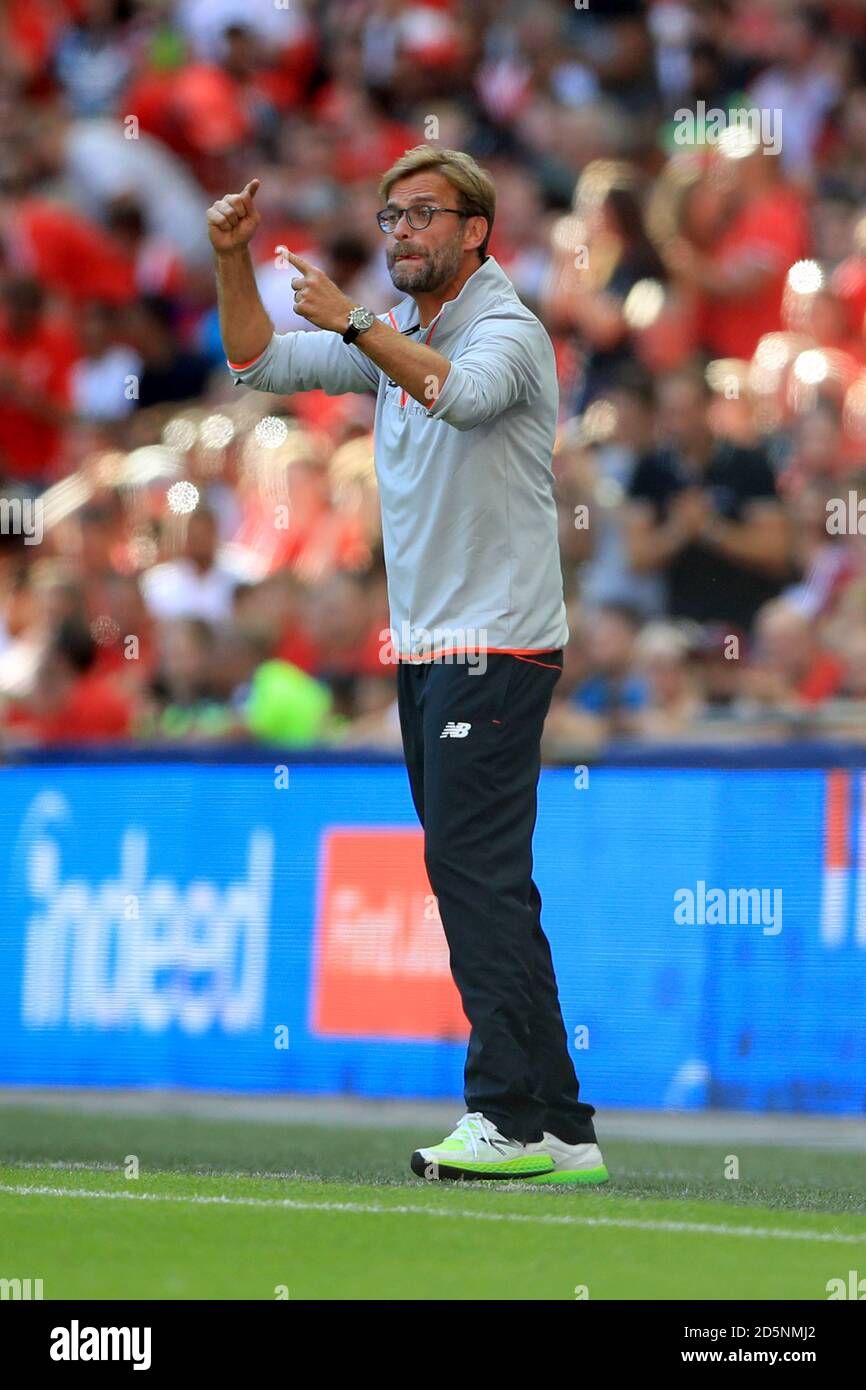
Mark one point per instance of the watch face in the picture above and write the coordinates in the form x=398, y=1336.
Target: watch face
x=361, y=318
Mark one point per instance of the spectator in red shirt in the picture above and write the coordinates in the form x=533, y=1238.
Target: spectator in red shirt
x=71, y=701
x=738, y=283
x=207, y=110
x=339, y=641
x=36, y=357
x=125, y=633
x=159, y=268
x=29, y=31
x=791, y=669
x=68, y=253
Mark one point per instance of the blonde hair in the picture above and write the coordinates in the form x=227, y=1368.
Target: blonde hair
x=474, y=185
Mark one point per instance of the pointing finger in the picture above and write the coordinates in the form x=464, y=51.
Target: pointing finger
x=301, y=264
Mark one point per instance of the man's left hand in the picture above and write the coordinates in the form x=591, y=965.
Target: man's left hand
x=317, y=298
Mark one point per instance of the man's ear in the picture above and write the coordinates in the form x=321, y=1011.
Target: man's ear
x=477, y=217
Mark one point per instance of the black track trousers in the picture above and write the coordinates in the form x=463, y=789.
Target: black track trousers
x=472, y=737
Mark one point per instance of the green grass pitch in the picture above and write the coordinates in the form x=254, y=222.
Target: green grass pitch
x=223, y=1209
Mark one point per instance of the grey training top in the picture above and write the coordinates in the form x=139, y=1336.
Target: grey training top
x=469, y=521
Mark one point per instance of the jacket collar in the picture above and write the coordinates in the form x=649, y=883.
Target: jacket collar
x=487, y=285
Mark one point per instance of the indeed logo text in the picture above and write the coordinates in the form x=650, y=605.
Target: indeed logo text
x=139, y=951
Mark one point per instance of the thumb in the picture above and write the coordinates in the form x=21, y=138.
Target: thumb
x=252, y=188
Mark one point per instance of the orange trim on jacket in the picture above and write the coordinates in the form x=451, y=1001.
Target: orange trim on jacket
x=241, y=366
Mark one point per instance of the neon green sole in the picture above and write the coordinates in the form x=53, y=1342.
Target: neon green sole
x=509, y=1165
x=527, y=1168
x=585, y=1175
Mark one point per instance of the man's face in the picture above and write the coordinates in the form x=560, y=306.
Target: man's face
x=201, y=540
x=425, y=260
x=682, y=411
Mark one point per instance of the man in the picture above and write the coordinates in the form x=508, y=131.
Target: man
x=703, y=513
x=465, y=420
x=195, y=584
x=37, y=351
x=737, y=282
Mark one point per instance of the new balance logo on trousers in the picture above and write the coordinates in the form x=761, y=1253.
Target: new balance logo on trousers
x=477, y=804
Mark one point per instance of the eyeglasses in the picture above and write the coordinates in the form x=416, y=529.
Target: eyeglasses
x=418, y=217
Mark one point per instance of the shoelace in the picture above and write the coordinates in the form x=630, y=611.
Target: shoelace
x=473, y=1127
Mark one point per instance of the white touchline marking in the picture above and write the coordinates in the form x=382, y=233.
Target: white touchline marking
x=375, y=1209
x=68, y=1165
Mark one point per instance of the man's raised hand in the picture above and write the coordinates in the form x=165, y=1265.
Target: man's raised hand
x=233, y=219
x=317, y=298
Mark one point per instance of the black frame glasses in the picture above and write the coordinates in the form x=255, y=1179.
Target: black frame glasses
x=388, y=216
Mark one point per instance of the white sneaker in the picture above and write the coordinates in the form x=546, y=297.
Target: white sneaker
x=572, y=1163
x=476, y=1149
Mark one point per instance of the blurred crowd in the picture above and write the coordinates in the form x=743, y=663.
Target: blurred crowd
x=682, y=200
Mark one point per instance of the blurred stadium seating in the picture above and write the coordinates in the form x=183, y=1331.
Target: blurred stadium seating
x=201, y=546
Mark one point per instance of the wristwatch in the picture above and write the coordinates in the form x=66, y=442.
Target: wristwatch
x=359, y=321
